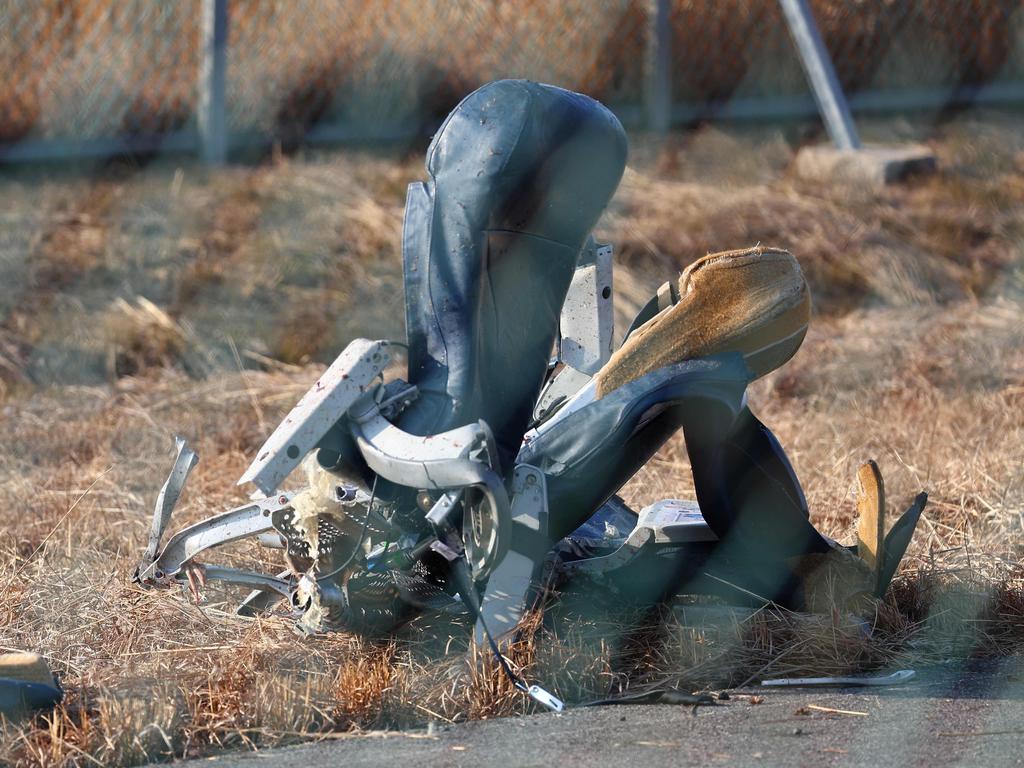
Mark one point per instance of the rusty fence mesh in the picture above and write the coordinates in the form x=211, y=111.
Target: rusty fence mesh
x=86, y=69
x=942, y=49
x=95, y=71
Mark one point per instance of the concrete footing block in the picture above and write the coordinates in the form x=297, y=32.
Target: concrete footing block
x=874, y=166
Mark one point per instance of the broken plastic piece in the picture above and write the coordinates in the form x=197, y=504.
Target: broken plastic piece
x=18, y=698
x=27, y=667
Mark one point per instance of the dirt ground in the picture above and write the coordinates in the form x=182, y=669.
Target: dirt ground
x=151, y=299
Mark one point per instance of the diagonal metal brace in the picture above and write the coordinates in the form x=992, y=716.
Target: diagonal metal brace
x=280, y=587
x=238, y=523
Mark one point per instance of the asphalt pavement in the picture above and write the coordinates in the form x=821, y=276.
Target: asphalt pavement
x=962, y=714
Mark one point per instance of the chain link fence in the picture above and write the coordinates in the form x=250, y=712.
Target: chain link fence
x=887, y=53
x=95, y=75
x=94, y=69
x=406, y=63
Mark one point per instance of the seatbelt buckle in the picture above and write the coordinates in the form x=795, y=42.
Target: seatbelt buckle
x=549, y=700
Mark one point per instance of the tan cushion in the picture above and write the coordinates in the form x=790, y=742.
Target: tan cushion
x=754, y=301
x=25, y=666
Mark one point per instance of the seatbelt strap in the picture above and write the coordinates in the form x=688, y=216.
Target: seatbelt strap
x=467, y=590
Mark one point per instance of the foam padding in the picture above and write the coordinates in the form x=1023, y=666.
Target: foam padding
x=871, y=516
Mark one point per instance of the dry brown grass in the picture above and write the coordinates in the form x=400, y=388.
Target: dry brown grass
x=915, y=358
x=236, y=259
x=149, y=675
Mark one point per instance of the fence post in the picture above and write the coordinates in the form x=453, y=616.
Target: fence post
x=657, y=67
x=212, y=82
x=818, y=66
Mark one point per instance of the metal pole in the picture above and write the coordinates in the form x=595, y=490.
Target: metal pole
x=212, y=82
x=657, y=66
x=821, y=74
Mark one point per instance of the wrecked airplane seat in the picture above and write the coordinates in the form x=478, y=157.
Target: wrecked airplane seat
x=493, y=461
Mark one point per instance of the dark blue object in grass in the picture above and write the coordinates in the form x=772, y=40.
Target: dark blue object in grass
x=18, y=697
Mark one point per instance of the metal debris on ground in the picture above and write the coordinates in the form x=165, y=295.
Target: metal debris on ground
x=830, y=710
x=662, y=696
x=896, y=678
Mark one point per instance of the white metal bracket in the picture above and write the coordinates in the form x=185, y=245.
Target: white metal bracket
x=586, y=327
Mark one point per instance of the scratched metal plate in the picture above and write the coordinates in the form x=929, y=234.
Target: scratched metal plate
x=318, y=410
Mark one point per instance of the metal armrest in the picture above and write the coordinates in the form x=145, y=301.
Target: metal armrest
x=442, y=462
x=435, y=462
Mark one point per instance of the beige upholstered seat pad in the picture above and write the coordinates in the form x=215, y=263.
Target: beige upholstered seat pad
x=754, y=301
